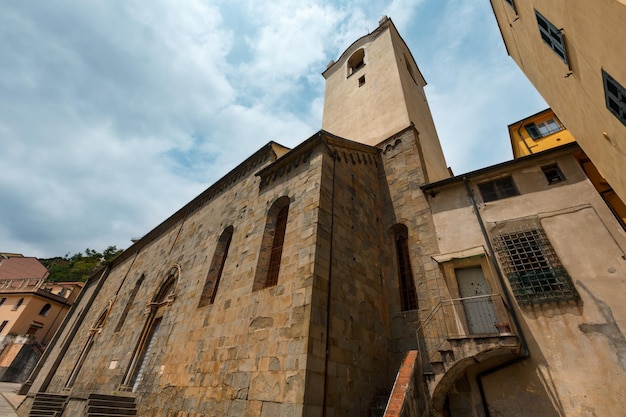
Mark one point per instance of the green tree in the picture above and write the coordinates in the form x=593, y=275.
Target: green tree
x=79, y=266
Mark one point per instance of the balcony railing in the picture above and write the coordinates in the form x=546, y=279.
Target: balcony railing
x=21, y=284
x=479, y=316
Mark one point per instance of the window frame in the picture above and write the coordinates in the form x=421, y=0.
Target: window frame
x=406, y=281
x=499, y=191
x=45, y=310
x=618, y=97
x=355, y=62
x=17, y=305
x=214, y=275
x=553, y=173
x=272, y=244
x=512, y=4
x=552, y=36
x=532, y=267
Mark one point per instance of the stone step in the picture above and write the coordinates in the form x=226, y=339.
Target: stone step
x=120, y=398
x=105, y=403
x=111, y=411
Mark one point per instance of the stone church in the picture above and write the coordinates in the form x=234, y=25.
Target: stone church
x=355, y=276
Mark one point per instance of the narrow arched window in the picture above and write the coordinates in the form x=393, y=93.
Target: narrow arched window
x=45, y=310
x=139, y=362
x=408, y=296
x=270, y=256
x=129, y=303
x=217, y=267
x=95, y=329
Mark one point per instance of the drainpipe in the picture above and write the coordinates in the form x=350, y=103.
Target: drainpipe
x=519, y=133
x=507, y=297
x=330, y=274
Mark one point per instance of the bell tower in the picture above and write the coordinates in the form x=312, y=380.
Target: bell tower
x=375, y=90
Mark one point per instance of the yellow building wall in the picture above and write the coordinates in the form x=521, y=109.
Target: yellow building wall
x=522, y=142
x=20, y=320
x=594, y=34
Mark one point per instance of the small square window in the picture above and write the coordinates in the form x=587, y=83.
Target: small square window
x=552, y=36
x=361, y=80
x=2, y=300
x=498, y=189
x=553, y=174
x=3, y=325
x=615, y=96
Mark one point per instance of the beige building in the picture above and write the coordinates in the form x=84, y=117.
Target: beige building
x=338, y=279
x=574, y=53
x=31, y=310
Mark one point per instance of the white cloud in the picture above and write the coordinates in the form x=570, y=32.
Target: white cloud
x=115, y=114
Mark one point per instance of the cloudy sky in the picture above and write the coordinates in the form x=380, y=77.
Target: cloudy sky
x=114, y=114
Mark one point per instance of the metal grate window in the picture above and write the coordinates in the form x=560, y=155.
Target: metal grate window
x=533, y=269
x=408, y=297
x=497, y=189
x=277, y=247
x=552, y=36
x=615, y=96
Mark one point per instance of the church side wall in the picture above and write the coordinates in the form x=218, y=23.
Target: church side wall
x=246, y=352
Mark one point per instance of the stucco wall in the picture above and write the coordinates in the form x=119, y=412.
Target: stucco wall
x=594, y=33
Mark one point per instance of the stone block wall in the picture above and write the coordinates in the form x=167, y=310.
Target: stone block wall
x=359, y=364
x=243, y=355
x=404, y=202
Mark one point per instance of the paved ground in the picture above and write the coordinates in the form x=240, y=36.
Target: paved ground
x=9, y=400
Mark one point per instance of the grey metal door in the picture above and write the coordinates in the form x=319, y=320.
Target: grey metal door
x=479, y=311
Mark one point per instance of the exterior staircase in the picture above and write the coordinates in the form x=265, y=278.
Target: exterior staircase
x=100, y=405
x=462, y=332
x=48, y=405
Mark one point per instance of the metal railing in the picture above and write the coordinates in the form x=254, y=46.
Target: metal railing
x=483, y=315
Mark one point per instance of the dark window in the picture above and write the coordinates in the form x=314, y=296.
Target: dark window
x=409, y=69
x=3, y=325
x=408, y=296
x=553, y=173
x=552, y=36
x=217, y=267
x=129, y=303
x=498, y=189
x=533, y=269
x=543, y=129
x=18, y=304
x=615, y=96
x=512, y=4
x=45, y=310
x=277, y=247
x=2, y=300
x=361, y=80
x=272, y=245
x=163, y=298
